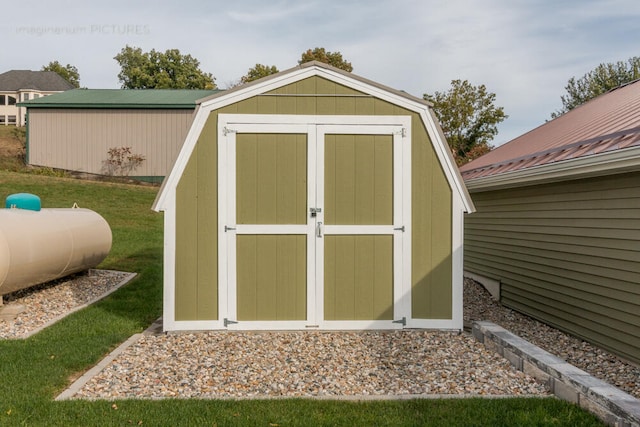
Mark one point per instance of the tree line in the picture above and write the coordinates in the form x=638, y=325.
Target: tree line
x=467, y=113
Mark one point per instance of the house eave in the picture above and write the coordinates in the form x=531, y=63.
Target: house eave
x=615, y=162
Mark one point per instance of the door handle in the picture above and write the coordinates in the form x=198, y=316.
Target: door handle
x=319, y=229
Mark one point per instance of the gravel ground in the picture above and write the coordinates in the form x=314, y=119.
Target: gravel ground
x=478, y=305
x=307, y=363
x=312, y=363
x=46, y=303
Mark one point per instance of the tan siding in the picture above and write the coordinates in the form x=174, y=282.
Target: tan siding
x=566, y=254
x=79, y=139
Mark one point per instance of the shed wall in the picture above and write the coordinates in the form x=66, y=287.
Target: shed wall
x=566, y=254
x=78, y=140
x=431, y=198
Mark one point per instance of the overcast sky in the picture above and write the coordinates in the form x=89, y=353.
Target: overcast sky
x=523, y=51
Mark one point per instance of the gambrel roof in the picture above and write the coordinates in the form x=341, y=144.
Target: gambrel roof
x=304, y=71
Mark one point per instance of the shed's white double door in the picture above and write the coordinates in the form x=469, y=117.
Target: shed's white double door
x=313, y=222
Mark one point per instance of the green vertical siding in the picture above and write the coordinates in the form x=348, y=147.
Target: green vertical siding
x=272, y=277
x=358, y=278
x=566, y=254
x=196, y=293
x=431, y=201
x=431, y=244
x=358, y=180
x=271, y=179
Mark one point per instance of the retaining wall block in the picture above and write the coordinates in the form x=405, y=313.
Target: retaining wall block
x=612, y=405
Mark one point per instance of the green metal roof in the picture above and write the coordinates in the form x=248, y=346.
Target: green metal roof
x=121, y=98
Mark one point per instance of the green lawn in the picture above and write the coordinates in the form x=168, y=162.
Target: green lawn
x=34, y=371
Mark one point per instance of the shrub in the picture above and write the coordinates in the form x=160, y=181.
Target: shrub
x=121, y=161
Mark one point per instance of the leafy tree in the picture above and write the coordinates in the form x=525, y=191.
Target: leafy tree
x=258, y=72
x=468, y=118
x=68, y=72
x=332, y=58
x=598, y=81
x=157, y=70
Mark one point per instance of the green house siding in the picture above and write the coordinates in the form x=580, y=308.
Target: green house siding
x=196, y=242
x=566, y=254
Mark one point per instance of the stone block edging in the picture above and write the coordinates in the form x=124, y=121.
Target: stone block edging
x=609, y=403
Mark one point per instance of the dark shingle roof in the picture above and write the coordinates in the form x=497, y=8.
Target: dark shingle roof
x=121, y=98
x=48, y=81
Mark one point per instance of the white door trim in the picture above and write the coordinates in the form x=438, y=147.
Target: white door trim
x=400, y=229
x=315, y=127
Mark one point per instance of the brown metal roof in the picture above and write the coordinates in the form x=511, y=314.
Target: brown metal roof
x=607, y=123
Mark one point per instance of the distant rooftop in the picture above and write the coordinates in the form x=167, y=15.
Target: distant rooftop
x=121, y=98
x=46, y=81
x=607, y=123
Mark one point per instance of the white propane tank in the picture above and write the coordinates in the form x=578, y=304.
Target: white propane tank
x=37, y=246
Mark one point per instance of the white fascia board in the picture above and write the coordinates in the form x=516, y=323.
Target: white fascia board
x=171, y=182
x=446, y=160
x=614, y=162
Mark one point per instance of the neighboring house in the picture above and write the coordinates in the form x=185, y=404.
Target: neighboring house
x=313, y=199
x=23, y=85
x=74, y=130
x=557, y=229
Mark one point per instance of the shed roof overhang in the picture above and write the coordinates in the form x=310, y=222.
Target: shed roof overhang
x=336, y=75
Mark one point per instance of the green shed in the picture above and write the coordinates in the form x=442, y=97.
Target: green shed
x=313, y=199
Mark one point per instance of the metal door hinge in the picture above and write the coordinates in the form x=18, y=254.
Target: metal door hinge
x=402, y=132
x=402, y=321
x=228, y=322
x=400, y=228
x=226, y=131
x=227, y=228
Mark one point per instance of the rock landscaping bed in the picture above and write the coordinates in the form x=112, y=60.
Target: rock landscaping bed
x=478, y=305
x=307, y=364
x=225, y=364
x=29, y=310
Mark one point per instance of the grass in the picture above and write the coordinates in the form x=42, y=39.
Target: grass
x=34, y=371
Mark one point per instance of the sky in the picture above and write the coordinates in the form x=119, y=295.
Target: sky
x=524, y=51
